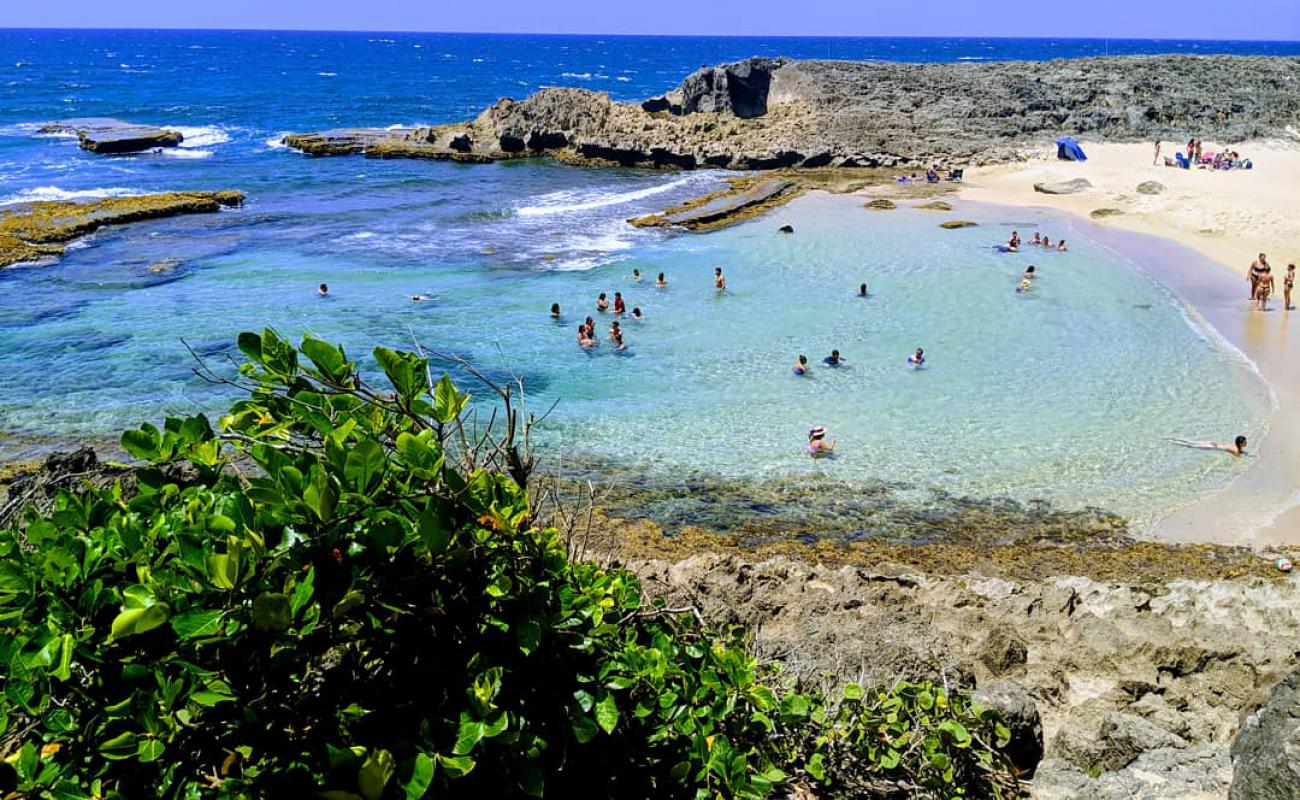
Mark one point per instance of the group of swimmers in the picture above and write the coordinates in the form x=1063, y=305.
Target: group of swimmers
x=587, y=330
x=1260, y=278
x=1013, y=244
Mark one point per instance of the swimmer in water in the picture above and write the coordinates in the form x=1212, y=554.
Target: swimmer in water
x=636, y=312
x=590, y=326
x=1024, y=286
x=833, y=360
x=585, y=341
x=917, y=359
x=618, y=343
x=1060, y=246
x=555, y=310
x=1013, y=244
x=421, y=297
x=636, y=275
x=801, y=366
x=615, y=331
x=862, y=290
x=322, y=290
x=1047, y=241
x=1236, y=448
x=661, y=281
x=1038, y=238
x=1029, y=273
x=602, y=305
x=619, y=305
x=719, y=282
x=817, y=444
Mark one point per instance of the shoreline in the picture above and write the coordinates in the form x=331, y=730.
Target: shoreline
x=1162, y=236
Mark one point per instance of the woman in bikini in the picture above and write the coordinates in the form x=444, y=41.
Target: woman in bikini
x=1288, y=283
x=1265, y=289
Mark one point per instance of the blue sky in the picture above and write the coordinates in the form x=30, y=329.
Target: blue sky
x=1180, y=19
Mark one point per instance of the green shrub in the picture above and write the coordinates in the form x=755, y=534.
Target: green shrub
x=334, y=599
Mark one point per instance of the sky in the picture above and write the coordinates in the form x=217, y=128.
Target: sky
x=1115, y=19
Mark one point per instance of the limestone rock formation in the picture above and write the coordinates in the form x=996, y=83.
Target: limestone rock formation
x=1150, y=187
x=764, y=113
x=115, y=136
x=1073, y=186
x=953, y=224
x=1021, y=715
x=1266, y=753
x=880, y=204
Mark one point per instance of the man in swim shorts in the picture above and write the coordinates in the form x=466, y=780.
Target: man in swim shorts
x=719, y=282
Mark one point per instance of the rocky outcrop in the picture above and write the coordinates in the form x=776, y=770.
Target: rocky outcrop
x=1128, y=679
x=723, y=208
x=779, y=113
x=1073, y=186
x=954, y=224
x=1150, y=187
x=1020, y=713
x=1266, y=753
x=115, y=136
x=30, y=231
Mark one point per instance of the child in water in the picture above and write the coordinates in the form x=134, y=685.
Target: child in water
x=917, y=359
x=602, y=305
x=719, y=282
x=817, y=444
x=1029, y=273
x=636, y=312
x=801, y=366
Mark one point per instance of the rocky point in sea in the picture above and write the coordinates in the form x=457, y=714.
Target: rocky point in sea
x=775, y=113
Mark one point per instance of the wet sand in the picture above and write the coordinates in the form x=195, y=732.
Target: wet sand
x=1197, y=238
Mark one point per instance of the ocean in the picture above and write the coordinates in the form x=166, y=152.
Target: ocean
x=1061, y=396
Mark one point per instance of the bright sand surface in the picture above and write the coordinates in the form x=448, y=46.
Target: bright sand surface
x=1211, y=225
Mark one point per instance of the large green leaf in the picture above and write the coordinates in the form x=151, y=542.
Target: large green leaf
x=319, y=495
x=143, y=443
x=193, y=624
x=141, y=612
x=607, y=713
x=421, y=776
x=364, y=463
x=330, y=360
x=375, y=773
x=124, y=745
x=469, y=734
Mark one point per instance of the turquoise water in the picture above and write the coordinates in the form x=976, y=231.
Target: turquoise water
x=1064, y=394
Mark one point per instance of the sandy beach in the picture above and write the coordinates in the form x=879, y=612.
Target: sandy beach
x=1210, y=226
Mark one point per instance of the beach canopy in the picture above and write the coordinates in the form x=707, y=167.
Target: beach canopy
x=1067, y=149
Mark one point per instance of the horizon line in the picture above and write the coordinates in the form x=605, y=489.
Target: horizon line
x=646, y=35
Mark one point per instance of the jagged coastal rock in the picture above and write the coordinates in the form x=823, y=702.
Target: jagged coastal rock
x=30, y=231
x=1266, y=753
x=723, y=208
x=114, y=136
x=1073, y=186
x=765, y=113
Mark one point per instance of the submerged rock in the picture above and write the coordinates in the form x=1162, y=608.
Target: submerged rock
x=953, y=224
x=1103, y=213
x=1150, y=187
x=29, y=231
x=1266, y=753
x=936, y=205
x=722, y=208
x=115, y=136
x=1073, y=186
x=880, y=204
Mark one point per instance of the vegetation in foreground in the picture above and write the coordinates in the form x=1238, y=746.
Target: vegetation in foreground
x=370, y=612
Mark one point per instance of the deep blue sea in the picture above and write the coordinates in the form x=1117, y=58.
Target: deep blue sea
x=1107, y=361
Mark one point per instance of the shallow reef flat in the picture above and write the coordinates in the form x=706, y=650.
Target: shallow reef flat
x=31, y=231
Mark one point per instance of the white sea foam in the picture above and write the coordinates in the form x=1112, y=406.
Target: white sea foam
x=184, y=152
x=276, y=142
x=55, y=193
x=565, y=202
x=583, y=75
x=200, y=135
x=327, y=74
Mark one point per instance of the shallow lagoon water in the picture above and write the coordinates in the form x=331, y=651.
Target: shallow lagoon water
x=1065, y=394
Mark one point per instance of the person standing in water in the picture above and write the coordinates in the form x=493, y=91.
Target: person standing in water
x=833, y=360
x=801, y=366
x=585, y=341
x=1264, y=289
x=817, y=444
x=615, y=331
x=322, y=290
x=1237, y=447
x=555, y=310
x=661, y=282
x=590, y=325
x=1288, y=283
x=1256, y=272
x=636, y=275
x=619, y=305
x=862, y=290
x=917, y=359
x=719, y=282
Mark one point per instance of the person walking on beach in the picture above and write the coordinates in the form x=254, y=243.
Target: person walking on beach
x=1265, y=289
x=1156, y=161
x=1256, y=272
x=719, y=282
x=1288, y=283
x=1191, y=151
